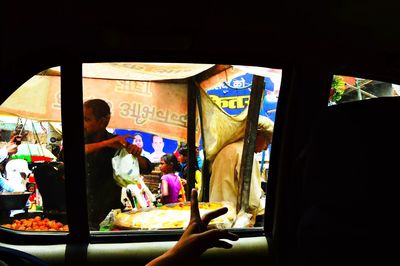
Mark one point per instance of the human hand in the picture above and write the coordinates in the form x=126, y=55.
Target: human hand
x=196, y=239
x=184, y=182
x=11, y=146
x=118, y=142
x=16, y=139
x=133, y=149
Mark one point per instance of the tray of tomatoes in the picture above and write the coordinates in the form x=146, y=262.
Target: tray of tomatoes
x=36, y=223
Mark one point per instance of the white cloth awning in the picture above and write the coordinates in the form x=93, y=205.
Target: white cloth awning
x=140, y=71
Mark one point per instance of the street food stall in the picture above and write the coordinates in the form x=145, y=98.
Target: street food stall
x=24, y=174
x=169, y=100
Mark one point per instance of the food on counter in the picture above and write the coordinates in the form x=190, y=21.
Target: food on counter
x=172, y=216
x=202, y=206
x=36, y=224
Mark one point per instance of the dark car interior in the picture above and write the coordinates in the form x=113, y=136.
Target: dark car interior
x=339, y=201
x=333, y=177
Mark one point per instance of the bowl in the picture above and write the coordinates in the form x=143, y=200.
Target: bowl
x=13, y=200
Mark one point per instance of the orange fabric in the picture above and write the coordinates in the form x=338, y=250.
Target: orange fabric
x=182, y=194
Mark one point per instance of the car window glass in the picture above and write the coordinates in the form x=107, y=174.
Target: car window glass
x=347, y=89
x=33, y=182
x=145, y=105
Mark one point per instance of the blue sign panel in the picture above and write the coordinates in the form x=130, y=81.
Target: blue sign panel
x=233, y=97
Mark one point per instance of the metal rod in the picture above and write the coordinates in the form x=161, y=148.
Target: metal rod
x=191, y=137
x=205, y=173
x=245, y=174
x=23, y=127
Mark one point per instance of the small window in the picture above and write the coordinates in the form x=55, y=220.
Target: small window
x=347, y=89
x=32, y=176
x=146, y=105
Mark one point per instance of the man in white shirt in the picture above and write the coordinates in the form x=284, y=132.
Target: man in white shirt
x=9, y=149
x=225, y=182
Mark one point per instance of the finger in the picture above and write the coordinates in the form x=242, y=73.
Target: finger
x=124, y=143
x=214, y=235
x=136, y=151
x=194, y=209
x=128, y=148
x=193, y=227
x=136, y=148
x=133, y=150
x=129, y=136
x=117, y=141
x=222, y=244
x=213, y=214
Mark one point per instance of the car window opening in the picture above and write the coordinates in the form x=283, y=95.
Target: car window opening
x=179, y=121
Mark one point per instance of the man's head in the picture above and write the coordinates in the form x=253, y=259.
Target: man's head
x=183, y=153
x=96, y=115
x=264, y=133
x=30, y=187
x=138, y=140
x=158, y=143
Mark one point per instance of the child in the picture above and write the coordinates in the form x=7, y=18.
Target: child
x=183, y=159
x=170, y=182
x=31, y=187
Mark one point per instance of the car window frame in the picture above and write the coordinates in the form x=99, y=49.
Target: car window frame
x=74, y=160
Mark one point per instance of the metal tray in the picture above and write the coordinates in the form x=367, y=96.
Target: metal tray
x=13, y=200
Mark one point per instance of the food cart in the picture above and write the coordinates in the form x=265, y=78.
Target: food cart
x=129, y=89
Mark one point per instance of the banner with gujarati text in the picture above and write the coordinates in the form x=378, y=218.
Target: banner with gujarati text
x=154, y=107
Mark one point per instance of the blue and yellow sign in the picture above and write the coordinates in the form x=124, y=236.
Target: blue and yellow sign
x=234, y=96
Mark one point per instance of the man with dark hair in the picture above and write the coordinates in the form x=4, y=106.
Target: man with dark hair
x=100, y=147
x=183, y=159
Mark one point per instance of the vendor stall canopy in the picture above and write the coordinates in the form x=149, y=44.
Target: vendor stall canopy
x=150, y=95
